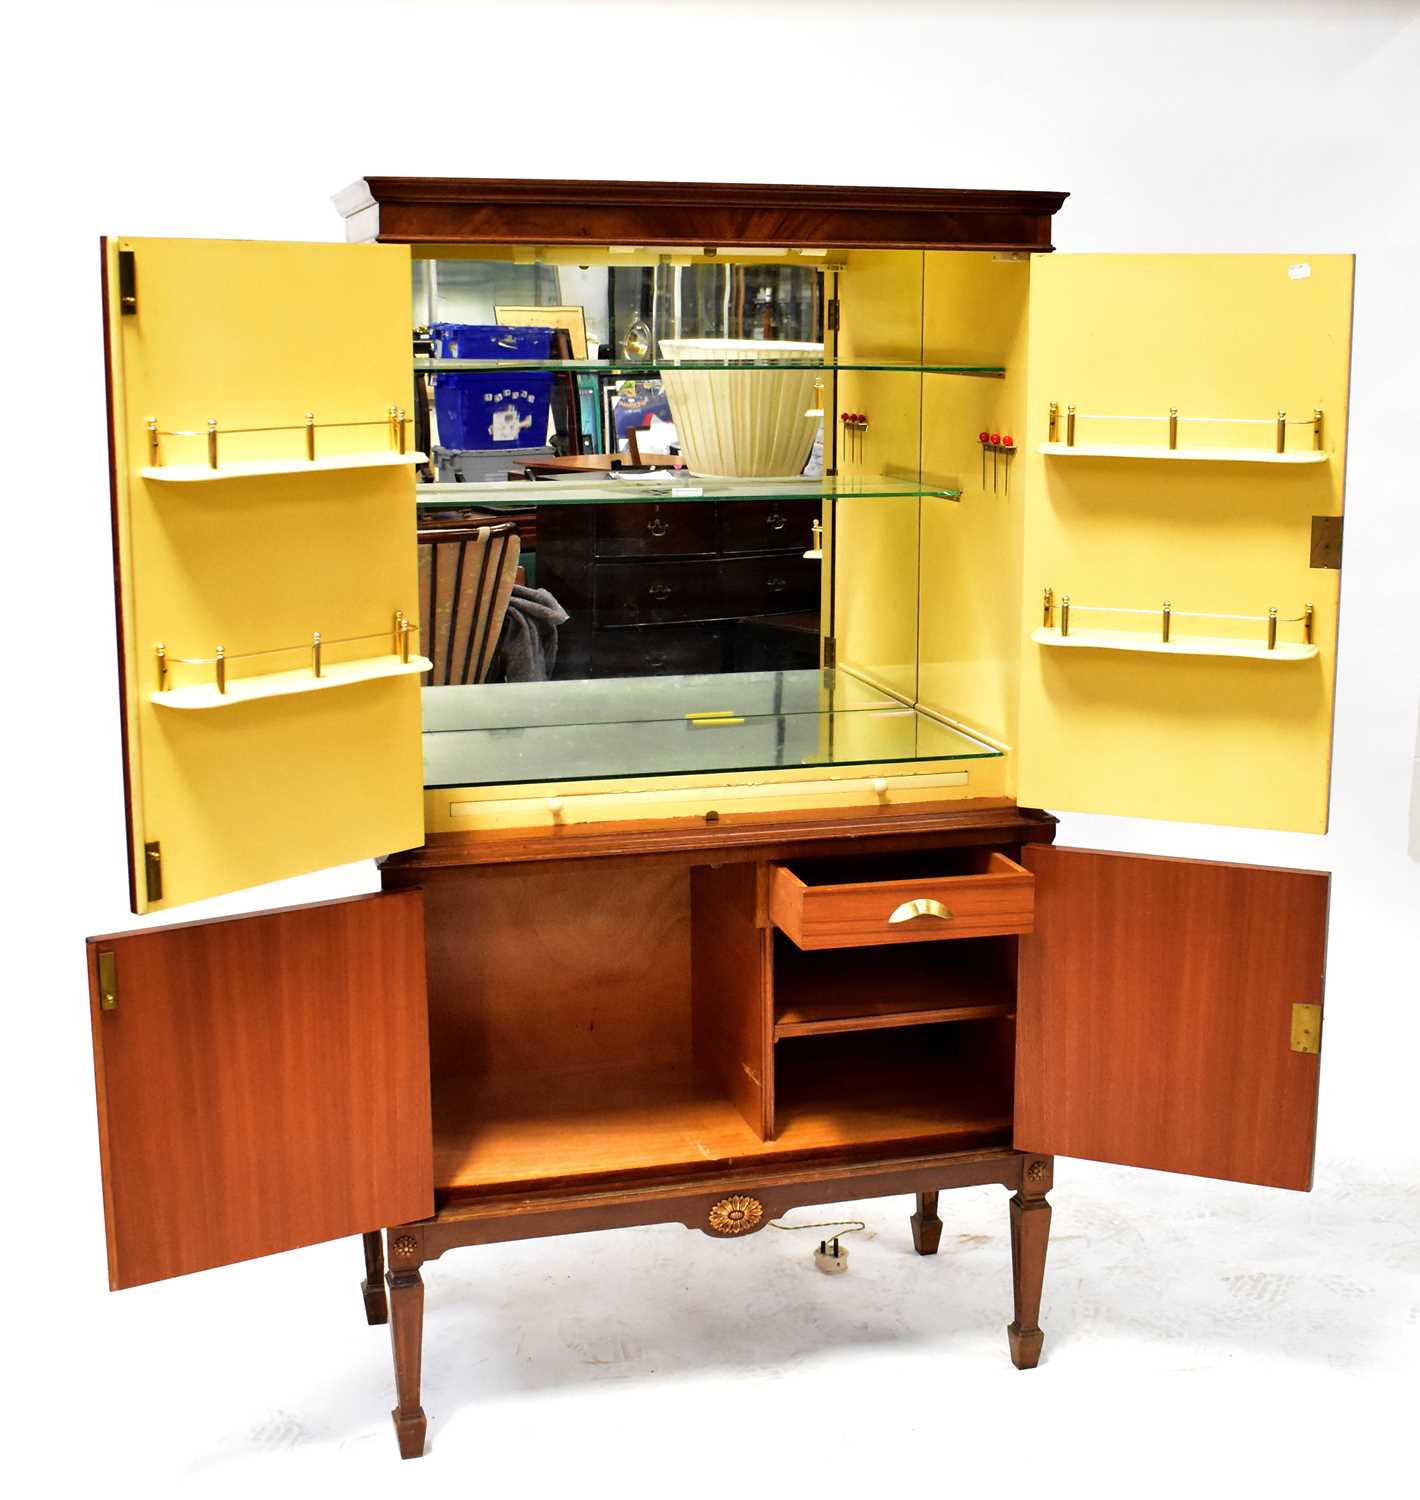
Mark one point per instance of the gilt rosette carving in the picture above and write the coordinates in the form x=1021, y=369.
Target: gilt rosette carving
x=736, y=1215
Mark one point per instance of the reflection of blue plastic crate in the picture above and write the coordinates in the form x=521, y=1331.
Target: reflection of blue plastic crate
x=500, y=408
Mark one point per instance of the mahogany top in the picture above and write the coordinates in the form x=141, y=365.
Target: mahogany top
x=506, y=210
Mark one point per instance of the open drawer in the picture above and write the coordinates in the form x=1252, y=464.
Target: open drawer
x=950, y=893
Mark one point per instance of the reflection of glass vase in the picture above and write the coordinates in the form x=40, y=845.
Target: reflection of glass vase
x=637, y=343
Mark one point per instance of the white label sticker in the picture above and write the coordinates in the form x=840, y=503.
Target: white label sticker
x=690, y=491
x=507, y=424
x=1299, y=272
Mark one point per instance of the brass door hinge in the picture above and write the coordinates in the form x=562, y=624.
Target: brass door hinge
x=831, y=315
x=830, y=653
x=127, y=283
x=1306, y=1028
x=108, y=979
x=153, y=870
x=1326, y=542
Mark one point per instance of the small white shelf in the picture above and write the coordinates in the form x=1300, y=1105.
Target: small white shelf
x=205, y=473
x=1184, y=645
x=204, y=695
x=1185, y=455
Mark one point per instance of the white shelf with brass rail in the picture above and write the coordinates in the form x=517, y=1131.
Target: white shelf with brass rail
x=1060, y=618
x=397, y=455
x=1185, y=455
x=221, y=689
x=1172, y=420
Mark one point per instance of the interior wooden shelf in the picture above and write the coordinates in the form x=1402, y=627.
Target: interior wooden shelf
x=1189, y=645
x=877, y=989
x=545, y=1129
x=285, y=684
x=1185, y=455
x=255, y=469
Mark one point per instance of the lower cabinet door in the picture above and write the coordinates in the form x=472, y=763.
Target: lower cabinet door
x=1168, y=1013
x=263, y=1083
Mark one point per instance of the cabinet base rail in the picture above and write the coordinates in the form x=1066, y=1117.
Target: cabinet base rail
x=724, y=1207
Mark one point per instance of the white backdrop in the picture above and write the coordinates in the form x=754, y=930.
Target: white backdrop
x=1196, y=1333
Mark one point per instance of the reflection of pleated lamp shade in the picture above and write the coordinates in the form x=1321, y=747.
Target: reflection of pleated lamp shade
x=743, y=423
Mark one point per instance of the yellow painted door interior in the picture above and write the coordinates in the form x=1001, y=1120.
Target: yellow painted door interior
x=285, y=758
x=1193, y=716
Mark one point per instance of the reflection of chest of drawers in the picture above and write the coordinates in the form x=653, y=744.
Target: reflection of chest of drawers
x=683, y=587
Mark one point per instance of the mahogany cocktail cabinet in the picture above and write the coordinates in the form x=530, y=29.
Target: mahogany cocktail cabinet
x=705, y=946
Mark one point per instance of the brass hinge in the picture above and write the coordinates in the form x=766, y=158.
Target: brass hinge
x=127, y=283
x=153, y=870
x=831, y=315
x=1306, y=1028
x=108, y=979
x=1326, y=542
x=830, y=654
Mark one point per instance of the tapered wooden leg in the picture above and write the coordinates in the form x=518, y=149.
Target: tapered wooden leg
x=376, y=1307
x=407, y=1338
x=926, y=1226
x=1030, y=1235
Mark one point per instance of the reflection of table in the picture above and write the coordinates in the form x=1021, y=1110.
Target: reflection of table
x=522, y=517
x=590, y=463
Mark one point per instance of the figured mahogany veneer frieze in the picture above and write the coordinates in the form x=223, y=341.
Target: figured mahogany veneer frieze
x=453, y=210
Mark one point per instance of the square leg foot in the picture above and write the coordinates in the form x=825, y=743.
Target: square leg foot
x=377, y=1308
x=926, y=1234
x=410, y=1432
x=1025, y=1346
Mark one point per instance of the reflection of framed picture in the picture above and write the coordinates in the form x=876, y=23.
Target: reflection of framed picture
x=573, y=319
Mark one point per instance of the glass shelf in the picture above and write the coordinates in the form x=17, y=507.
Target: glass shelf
x=630, y=369
x=662, y=489
x=506, y=733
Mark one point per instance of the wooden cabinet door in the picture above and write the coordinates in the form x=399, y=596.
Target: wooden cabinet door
x=263, y=1083
x=1156, y=1009
x=288, y=762
x=1210, y=725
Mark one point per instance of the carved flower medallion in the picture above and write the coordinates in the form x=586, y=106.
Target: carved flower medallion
x=736, y=1215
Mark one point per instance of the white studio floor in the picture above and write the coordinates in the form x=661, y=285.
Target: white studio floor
x=1196, y=1334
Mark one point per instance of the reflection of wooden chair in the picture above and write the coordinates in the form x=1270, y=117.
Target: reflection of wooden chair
x=466, y=575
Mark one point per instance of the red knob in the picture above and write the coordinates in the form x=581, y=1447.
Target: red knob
x=983, y=437
x=995, y=437
x=1008, y=441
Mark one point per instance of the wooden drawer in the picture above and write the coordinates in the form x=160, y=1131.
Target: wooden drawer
x=786, y=584
x=656, y=593
x=658, y=650
x=678, y=530
x=857, y=903
x=767, y=525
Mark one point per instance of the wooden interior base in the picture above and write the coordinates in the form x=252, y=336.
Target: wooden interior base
x=542, y=1129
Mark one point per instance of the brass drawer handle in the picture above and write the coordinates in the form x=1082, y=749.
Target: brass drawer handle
x=658, y=526
x=659, y=591
x=923, y=906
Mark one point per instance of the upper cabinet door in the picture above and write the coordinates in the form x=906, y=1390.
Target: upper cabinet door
x=1187, y=713
x=263, y=1083
x=261, y=500
x=1157, y=1017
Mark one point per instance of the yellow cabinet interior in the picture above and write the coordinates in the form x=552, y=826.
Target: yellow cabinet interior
x=229, y=789
x=310, y=344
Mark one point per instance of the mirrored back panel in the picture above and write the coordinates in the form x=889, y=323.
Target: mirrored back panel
x=690, y=513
